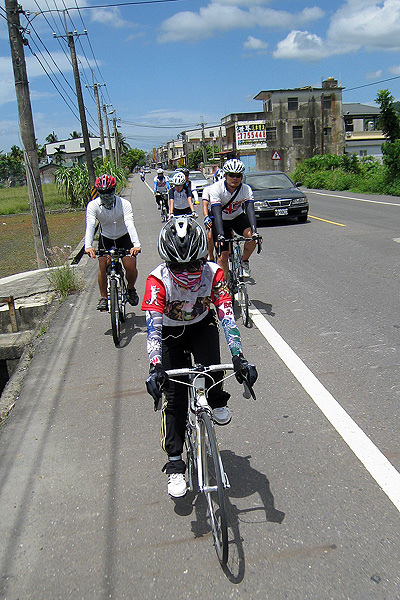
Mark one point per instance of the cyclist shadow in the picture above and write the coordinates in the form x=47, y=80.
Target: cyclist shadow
x=133, y=324
x=245, y=482
x=263, y=307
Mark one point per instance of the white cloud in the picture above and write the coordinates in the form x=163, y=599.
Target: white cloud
x=253, y=43
x=110, y=16
x=300, y=45
x=226, y=15
x=395, y=70
x=368, y=24
x=374, y=75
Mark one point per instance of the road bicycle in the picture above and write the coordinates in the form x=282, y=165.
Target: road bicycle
x=117, y=290
x=235, y=280
x=206, y=472
x=162, y=203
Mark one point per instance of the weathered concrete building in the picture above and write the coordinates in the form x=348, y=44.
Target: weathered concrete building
x=301, y=123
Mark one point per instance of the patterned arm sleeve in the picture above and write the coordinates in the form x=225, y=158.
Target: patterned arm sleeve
x=222, y=301
x=154, y=329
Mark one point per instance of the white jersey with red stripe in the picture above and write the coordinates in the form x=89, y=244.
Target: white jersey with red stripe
x=219, y=194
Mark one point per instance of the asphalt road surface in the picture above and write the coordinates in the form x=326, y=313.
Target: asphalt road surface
x=313, y=463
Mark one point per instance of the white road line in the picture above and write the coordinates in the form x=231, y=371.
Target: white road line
x=371, y=457
x=352, y=198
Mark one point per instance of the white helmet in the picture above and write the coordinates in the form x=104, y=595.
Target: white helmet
x=160, y=171
x=233, y=165
x=178, y=179
x=219, y=175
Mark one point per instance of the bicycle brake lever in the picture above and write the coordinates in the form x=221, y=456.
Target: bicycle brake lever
x=248, y=391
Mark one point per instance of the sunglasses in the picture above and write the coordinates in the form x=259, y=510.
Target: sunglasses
x=191, y=267
x=235, y=175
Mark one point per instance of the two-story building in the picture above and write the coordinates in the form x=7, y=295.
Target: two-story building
x=72, y=152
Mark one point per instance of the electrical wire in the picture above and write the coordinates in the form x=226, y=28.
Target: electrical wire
x=369, y=84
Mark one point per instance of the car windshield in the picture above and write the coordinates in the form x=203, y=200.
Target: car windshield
x=269, y=181
x=196, y=176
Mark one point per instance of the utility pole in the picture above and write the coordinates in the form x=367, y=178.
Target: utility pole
x=108, y=132
x=116, y=142
x=41, y=235
x=96, y=96
x=85, y=134
x=203, y=143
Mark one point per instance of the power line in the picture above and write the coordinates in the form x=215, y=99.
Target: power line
x=369, y=84
x=108, y=5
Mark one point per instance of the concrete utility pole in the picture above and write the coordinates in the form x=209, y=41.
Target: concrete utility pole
x=96, y=95
x=203, y=144
x=41, y=235
x=116, y=142
x=108, y=133
x=82, y=114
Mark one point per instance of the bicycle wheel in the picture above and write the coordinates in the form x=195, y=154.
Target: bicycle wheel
x=114, y=310
x=213, y=486
x=191, y=461
x=122, y=301
x=244, y=304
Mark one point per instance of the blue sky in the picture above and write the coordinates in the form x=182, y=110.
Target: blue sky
x=175, y=64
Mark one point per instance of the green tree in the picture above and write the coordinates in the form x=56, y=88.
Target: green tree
x=389, y=119
x=58, y=156
x=75, y=135
x=133, y=157
x=52, y=138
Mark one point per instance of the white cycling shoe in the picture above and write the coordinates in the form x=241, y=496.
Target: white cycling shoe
x=246, y=268
x=222, y=415
x=176, y=485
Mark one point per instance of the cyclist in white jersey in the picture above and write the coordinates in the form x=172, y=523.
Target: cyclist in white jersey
x=117, y=229
x=161, y=189
x=228, y=198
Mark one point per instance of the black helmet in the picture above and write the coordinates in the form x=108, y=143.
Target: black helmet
x=182, y=240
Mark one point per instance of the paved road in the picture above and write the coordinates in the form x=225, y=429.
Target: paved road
x=83, y=501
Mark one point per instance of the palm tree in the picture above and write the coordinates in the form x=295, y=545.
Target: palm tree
x=75, y=135
x=122, y=143
x=51, y=138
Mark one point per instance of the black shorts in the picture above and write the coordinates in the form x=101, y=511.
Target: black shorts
x=182, y=211
x=238, y=225
x=106, y=243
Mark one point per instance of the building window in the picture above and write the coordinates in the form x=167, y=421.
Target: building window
x=211, y=134
x=293, y=103
x=270, y=134
x=297, y=132
x=82, y=145
x=348, y=124
x=62, y=146
x=268, y=105
x=327, y=102
x=327, y=130
x=363, y=153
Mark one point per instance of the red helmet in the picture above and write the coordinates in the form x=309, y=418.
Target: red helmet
x=105, y=183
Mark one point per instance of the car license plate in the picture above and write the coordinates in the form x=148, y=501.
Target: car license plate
x=281, y=212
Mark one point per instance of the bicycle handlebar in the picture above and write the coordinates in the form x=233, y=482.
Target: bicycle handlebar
x=239, y=238
x=200, y=369
x=115, y=252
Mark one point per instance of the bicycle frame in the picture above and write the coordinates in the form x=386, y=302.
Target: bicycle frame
x=116, y=285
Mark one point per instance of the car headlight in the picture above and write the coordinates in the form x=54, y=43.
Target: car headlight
x=302, y=200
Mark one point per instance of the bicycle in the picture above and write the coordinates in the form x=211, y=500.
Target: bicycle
x=162, y=204
x=117, y=290
x=205, y=469
x=235, y=280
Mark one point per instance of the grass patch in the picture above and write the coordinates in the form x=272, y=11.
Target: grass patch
x=16, y=239
x=16, y=201
x=65, y=280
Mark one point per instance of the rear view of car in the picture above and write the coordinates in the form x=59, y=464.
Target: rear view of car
x=198, y=181
x=276, y=196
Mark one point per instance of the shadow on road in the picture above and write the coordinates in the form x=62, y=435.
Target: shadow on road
x=245, y=482
x=129, y=328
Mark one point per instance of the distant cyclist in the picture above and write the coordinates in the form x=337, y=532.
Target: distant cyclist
x=161, y=189
x=117, y=229
x=178, y=302
x=180, y=200
x=228, y=199
x=218, y=175
x=191, y=190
